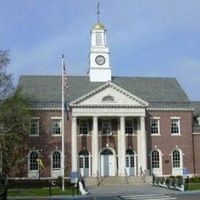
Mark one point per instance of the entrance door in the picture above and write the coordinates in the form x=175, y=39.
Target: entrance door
x=107, y=163
x=130, y=162
x=84, y=163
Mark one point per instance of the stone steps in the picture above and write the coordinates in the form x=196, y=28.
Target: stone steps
x=115, y=180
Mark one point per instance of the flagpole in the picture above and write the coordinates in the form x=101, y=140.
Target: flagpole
x=63, y=129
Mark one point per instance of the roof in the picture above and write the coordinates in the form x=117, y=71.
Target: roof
x=45, y=91
x=98, y=26
x=196, y=106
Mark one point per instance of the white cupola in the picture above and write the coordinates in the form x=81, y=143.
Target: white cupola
x=99, y=57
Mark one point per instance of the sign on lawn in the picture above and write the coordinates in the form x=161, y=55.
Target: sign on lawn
x=74, y=177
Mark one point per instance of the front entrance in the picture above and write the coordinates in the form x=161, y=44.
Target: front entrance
x=130, y=162
x=84, y=163
x=108, y=163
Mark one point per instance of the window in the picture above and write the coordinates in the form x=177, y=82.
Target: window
x=81, y=162
x=33, y=160
x=56, y=126
x=34, y=127
x=155, y=126
x=56, y=160
x=108, y=99
x=84, y=163
x=175, y=126
x=83, y=127
x=129, y=127
x=176, y=159
x=98, y=39
x=106, y=128
x=155, y=159
x=130, y=158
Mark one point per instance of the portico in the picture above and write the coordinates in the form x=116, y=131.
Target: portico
x=109, y=137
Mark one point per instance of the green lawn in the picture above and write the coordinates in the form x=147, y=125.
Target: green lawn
x=41, y=192
x=193, y=186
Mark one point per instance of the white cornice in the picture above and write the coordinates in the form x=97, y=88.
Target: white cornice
x=46, y=109
x=103, y=87
x=171, y=109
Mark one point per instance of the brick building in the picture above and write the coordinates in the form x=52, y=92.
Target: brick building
x=118, y=125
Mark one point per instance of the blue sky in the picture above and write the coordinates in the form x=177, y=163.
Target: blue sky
x=147, y=38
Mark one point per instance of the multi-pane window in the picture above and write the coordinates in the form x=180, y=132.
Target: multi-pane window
x=175, y=126
x=155, y=123
x=56, y=126
x=176, y=159
x=86, y=162
x=98, y=39
x=129, y=127
x=34, y=127
x=155, y=159
x=33, y=163
x=80, y=162
x=56, y=160
x=129, y=161
x=106, y=128
x=84, y=159
x=83, y=127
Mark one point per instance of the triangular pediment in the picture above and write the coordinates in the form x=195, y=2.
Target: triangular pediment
x=109, y=94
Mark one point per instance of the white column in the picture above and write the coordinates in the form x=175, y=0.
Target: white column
x=142, y=146
x=74, y=144
x=121, y=148
x=95, y=148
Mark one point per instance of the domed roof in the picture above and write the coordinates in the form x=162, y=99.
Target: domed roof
x=98, y=26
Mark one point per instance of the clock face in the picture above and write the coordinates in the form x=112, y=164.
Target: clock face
x=100, y=60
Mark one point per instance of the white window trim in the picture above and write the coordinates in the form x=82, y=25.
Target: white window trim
x=110, y=126
x=181, y=158
x=132, y=122
x=179, y=126
x=160, y=158
x=56, y=135
x=81, y=134
x=156, y=118
x=56, y=118
x=38, y=127
x=52, y=160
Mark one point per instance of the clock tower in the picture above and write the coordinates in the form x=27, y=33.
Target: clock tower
x=99, y=57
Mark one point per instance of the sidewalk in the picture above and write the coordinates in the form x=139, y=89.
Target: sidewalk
x=110, y=191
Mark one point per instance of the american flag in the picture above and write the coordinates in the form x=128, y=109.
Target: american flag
x=65, y=79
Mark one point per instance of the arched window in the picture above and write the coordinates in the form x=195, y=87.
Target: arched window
x=33, y=164
x=106, y=152
x=155, y=159
x=176, y=159
x=108, y=98
x=56, y=158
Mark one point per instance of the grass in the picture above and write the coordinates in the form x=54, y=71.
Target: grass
x=41, y=192
x=194, y=186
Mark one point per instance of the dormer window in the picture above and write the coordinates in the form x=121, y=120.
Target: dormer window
x=108, y=99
